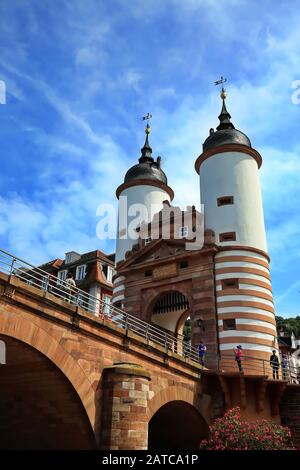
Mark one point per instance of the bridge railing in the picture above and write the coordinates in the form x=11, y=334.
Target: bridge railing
x=251, y=365
x=37, y=277
x=34, y=276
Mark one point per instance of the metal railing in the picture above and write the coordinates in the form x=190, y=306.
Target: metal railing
x=250, y=365
x=34, y=276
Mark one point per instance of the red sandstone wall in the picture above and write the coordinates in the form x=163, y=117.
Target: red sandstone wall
x=290, y=411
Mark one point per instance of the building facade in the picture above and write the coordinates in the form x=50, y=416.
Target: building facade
x=92, y=273
x=225, y=285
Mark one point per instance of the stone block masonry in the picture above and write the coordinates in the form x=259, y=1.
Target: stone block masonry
x=124, y=407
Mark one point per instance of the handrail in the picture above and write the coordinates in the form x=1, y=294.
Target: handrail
x=37, y=277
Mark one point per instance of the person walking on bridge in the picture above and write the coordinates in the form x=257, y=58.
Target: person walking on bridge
x=238, y=357
x=69, y=286
x=201, y=352
x=274, y=363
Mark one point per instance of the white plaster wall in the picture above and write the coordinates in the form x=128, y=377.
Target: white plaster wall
x=237, y=309
x=250, y=287
x=249, y=346
x=243, y=276
x=233, y=174
x=94, y=303
x=152, y=198
x=245, y=334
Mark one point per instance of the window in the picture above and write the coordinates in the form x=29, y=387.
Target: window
x=183, y=232
x=80, y=272
x=183, y=264
x=72, y=256
x=229, y=324
x=106, y=304
x=148, y=240
x=61, y=276
x=68, y=258
x=110, y=272
x=225, y=200
x=148, y=273
x=230, y=283
x=200, y=324
x=227, y=237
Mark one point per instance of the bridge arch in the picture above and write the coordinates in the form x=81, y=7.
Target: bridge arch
x=173, y=393
x=17, y=327
x=176, y=421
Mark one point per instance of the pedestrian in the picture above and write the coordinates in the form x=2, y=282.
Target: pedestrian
x=201, y=352
x=69, y=285
x=274, y=363
x=238, y=357
x=284, y=365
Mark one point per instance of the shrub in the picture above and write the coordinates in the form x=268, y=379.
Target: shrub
x=230, y=433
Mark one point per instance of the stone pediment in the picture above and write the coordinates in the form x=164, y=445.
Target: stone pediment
x=157, y=250
x=163, y=250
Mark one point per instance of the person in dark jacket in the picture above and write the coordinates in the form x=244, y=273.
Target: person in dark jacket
x=274, y=363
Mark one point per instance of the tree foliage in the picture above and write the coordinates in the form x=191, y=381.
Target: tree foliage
x=231, y=433
x=289, y=325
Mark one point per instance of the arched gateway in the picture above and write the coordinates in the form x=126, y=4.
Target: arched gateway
x=170, y=311
x=176, y=425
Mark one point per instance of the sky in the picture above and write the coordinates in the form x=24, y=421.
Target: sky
x=79, y=76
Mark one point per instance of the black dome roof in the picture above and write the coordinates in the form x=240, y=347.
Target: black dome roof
x=149, y=170
x=226, y=136
x=226, y=132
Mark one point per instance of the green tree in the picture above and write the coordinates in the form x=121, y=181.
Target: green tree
x=289, y=325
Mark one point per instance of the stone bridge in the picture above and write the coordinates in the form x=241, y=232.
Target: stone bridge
x=75, y=381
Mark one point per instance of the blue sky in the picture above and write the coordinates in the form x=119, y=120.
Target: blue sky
x=81, y=73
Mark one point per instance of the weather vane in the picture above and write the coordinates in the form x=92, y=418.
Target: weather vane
x=221, y=82
x=147, y=117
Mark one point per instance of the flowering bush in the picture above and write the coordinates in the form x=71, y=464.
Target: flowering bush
x=230, y=433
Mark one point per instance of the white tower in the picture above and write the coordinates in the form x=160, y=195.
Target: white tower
x=230, y=192
x=144, y=184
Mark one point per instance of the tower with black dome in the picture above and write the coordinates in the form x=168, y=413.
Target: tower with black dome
x=230, y=192
x=144, y=184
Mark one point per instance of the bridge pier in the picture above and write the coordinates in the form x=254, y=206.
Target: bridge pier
x=124, y=423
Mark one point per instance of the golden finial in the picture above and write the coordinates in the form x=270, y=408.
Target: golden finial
x=147, y=128
x=223, y=93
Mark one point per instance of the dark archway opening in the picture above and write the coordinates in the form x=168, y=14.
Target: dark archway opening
x=39, y=407
x=176, y=425
x=168, y=311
